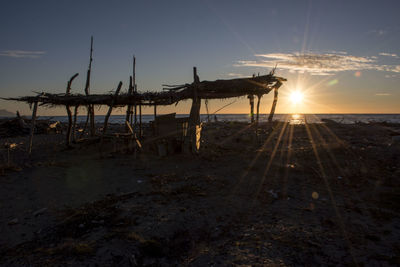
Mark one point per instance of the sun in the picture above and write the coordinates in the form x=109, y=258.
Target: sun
x=296, y=97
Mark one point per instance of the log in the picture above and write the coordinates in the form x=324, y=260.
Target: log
x=110, y=108
x=35, y=105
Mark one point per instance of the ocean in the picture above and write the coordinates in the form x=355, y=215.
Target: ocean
x=292, y=118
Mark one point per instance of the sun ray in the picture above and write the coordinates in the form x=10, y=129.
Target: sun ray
x=331, y=196
x=259, y=152
x=268, y=166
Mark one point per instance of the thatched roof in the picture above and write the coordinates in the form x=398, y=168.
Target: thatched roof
x=206, y=90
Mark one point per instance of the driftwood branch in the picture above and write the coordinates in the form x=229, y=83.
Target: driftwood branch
x=110, y=108
x=68, y=92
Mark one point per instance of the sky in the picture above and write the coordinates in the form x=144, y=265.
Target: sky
x=342, y=56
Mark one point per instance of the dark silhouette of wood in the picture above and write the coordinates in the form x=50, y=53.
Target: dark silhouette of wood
x=134, y=90
x=111, y=107
x=129, y=108
x=271, y=114
x=258, y=108
x=74, y=124
x=140, y=121
x=35, y=105
x=251, y=99
x=194, y=117
x=90, y=107
x=68, y=92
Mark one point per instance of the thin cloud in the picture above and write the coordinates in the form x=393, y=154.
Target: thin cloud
x=383, y=94
x=317, y=64
x=21, y=53
x=236, y=75
x=389, y=55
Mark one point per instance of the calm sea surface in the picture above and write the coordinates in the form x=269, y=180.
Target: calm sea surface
x=295, y=119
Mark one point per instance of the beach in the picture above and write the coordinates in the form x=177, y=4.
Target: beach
x=279, y=194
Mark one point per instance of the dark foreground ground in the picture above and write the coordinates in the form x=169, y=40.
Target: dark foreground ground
x=288, y=195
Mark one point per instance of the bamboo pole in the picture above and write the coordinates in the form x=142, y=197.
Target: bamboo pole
x=111, y=107
x=35, y=105
x=68, y=92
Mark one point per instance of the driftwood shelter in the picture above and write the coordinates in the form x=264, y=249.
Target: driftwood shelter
x=219, y=89
x=172, y=94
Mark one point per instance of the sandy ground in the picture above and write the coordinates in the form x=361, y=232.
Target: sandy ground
x=287, y=195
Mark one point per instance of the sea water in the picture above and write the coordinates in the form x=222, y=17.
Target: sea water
x=292, y=118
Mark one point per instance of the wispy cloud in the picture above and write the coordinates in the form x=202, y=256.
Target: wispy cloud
x=389, y=55
x=237, y=75
x=22, y=53
x=383, y=94
x=318, y=64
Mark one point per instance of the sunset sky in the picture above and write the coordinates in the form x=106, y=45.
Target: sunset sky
x=343, y=56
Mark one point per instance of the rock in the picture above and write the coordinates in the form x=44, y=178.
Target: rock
x=273, y=194
x=395, y=140
x=13, y=221
x=38, y=212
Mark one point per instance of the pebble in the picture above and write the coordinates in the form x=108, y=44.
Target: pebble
x=38, y=212
x=13, y=221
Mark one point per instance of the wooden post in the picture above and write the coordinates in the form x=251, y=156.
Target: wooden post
x=111, y=107
x=74, y=124
x=140, y=120
x=251, y=99
x=271, y=114
x=68, y=92
x=134, y=90
x=258, y=107
x=129, y=108
x=32, y=127
x=194, y=117
x=155, y=132
x=90, y=108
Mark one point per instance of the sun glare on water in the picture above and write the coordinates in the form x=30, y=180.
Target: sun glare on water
x=296, y=97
